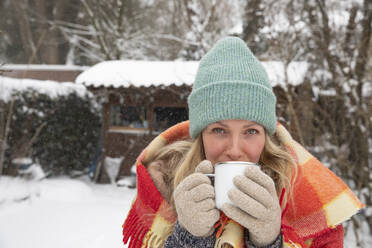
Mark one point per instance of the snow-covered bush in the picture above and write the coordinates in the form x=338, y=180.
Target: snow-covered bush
x=61, y=132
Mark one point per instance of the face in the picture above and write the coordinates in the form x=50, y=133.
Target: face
x=233, y=140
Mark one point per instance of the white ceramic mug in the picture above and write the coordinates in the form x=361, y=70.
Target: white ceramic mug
x=223, y=179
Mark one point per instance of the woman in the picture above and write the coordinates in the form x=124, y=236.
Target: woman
x=232, y=118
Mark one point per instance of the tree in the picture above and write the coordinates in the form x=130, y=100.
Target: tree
x=336, y=47
x=5, y=120
x=329, y=112
x=29, y=35
x=88, y=31
x=113, y=29
x=160, y=30
x=201, y=23
x=345, y=54
x=253, y=20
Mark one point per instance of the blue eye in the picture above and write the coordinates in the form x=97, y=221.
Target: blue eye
x=252, y=131
x=218, y=130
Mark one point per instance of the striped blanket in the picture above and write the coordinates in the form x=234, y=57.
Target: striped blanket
x=320, y=200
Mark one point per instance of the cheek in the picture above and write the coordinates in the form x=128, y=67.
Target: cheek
x=254, y=150
x=212, y=152
x=212, y=149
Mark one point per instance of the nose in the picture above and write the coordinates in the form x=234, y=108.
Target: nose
x=234, y=151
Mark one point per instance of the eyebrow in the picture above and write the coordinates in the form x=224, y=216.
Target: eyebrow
x=250, y=125
x=245, y=126
x=218, y=122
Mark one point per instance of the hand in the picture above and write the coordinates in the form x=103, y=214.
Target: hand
x=195, y=203
x=256, y=206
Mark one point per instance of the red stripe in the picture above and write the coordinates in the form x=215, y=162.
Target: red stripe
x=147, y=191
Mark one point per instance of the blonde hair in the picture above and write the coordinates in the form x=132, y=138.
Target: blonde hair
x=191, y=160
x=278, y=163
x=170, y=157
x=275, y=161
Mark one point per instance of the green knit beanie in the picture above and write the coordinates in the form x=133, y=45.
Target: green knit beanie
x=231, y=84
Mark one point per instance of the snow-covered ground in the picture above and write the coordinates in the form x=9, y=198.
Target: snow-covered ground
x=73, y=213
x=62, y=213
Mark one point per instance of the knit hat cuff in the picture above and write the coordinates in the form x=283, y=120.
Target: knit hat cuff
x=219, y=101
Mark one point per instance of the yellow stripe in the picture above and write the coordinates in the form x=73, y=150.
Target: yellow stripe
x=159, y=231
x=302, y=154
x=341, y=208
x=291, y=245
x=233, y=234
x=157, y=143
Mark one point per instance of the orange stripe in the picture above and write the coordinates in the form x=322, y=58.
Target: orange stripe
x=320, y=177
x=167, y=213
x=304, y=197
x=177, y=132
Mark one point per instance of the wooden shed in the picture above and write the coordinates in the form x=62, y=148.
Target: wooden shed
x=143, y=98
x=140, y=99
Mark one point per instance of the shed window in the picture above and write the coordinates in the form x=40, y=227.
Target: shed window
x=129, y=116
x=166, y=117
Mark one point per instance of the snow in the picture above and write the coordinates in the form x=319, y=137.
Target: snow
x=112, y=166
x=62, y=213
x=367, y=89
x=338, y=17
x=52, y=88
x=25, y=160
x=138, y=73
x=146, y=73
x=129, y=182
x=74, y=213
x=276, y=71
x=32, y=171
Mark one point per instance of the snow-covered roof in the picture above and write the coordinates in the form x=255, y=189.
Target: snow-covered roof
x=120, y=73
x=138, y=73
x=51, y=88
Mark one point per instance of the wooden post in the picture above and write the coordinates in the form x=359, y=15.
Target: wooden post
x=151, y=118
x=106, y=115
x=4, y=135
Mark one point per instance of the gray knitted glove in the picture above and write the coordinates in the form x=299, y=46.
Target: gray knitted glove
x=195, y=203
x=256, y=206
